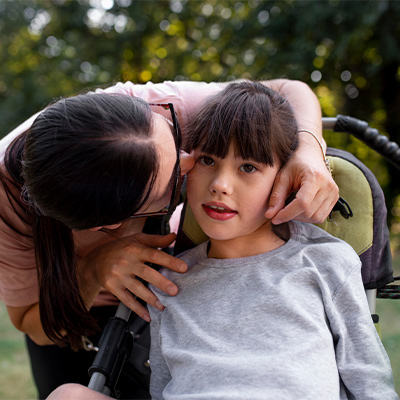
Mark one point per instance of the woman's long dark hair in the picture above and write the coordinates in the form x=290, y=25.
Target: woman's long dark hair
x=86, y=161
x=258, y=120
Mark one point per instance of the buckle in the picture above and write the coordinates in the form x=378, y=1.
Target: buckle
x=343, y=207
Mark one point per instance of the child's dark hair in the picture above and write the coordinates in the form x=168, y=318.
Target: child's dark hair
x=86, y=161
x=258, y=120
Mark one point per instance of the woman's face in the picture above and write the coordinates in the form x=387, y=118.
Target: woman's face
x=162, y=190
x=165, y=145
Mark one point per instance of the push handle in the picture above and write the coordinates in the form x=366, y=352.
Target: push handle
x=115, y=346
x=370, y=136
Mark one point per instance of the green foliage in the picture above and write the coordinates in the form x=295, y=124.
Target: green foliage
x=347, y=51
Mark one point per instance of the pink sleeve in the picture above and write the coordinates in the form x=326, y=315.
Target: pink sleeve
x=186, y=96
x=18, y=273
x=6, y=140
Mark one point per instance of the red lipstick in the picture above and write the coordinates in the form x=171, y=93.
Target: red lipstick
x=219, y=211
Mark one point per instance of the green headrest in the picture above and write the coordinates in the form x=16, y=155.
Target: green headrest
x=355, y=189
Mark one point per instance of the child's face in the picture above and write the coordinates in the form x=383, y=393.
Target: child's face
x=229, y=196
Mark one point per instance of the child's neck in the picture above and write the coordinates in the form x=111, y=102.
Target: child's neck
x=259, y=242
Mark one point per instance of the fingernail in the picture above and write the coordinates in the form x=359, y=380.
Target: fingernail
x=159, y=305
x=172, y=290
x=182, y=267
x=146, y=317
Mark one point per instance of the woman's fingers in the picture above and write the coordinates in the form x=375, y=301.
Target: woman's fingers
x=137, y=290
x=158, y=280
x=129, y=300
x=316, y=193
x=148, y=252
x=314, y=210
x=127, y=287
x=120, y=266
x=124, y=275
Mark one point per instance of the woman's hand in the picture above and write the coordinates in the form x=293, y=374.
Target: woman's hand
x=116, y=265
x=306, y=174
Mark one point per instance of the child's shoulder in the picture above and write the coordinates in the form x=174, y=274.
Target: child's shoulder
x=316, y=240
x=191, y=257
x=334, y=259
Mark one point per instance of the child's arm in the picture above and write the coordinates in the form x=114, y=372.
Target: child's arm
x=160, y=375
x=362, y=362
x=306, y=172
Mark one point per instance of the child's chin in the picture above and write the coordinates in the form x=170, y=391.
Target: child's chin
x=218, y=235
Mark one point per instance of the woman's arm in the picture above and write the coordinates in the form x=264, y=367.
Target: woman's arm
x=306, y=107
x=27, y=320
x=306, y=172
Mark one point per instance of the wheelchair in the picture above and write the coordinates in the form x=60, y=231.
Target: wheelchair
x=359, y=218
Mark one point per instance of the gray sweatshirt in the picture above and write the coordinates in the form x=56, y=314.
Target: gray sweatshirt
x=292, y=323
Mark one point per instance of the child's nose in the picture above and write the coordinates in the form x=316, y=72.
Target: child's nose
x=221, y=184
x=186, y=162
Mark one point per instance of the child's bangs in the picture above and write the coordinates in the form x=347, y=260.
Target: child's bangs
x=242, y=128
x=258, y=121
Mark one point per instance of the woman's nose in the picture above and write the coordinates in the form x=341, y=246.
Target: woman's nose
x=186, y=162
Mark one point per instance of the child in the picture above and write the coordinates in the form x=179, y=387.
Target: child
x=264, y=312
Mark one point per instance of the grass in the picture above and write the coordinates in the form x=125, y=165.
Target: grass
x=15, y=374
x=389, y=314
x=16, y=380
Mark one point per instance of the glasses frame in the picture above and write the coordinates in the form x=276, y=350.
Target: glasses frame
x=167, y=211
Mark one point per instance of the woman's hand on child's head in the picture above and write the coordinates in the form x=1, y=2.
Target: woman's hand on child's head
x=317, y=193
x=117, y=265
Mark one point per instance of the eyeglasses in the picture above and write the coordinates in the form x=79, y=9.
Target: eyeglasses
x=177, y=183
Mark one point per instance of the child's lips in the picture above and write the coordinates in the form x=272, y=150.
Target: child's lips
x=219, y=212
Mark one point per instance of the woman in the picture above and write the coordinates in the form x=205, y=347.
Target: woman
x=72, y=181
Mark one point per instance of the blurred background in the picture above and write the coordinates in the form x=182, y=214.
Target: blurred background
x=347, y=51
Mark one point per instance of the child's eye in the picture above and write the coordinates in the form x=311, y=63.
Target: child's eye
x=248, y=168
x=206, y=160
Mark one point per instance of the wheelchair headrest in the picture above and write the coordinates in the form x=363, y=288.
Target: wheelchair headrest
x=366, y=231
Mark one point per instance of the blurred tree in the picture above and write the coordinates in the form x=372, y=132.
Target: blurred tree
x=347, y=51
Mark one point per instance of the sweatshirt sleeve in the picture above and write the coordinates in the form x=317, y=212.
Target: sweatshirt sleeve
x=362, y=362
x=160, y=375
